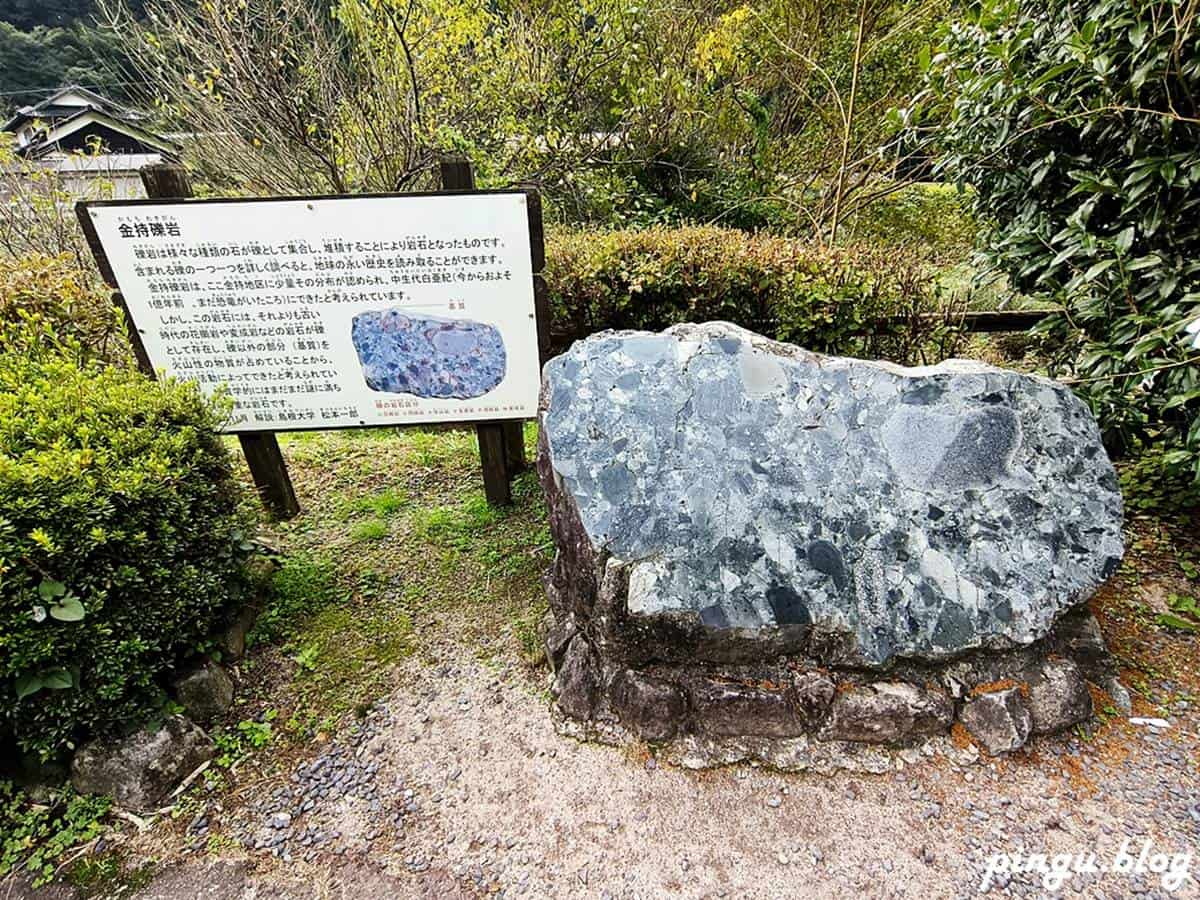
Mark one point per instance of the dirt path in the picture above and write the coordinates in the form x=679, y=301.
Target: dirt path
x=460, y=788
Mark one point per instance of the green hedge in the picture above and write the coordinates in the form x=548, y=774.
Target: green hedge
x=830, y=300
x=64, y=294
x=121, y=539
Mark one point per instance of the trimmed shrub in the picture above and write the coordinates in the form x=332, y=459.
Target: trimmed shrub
x=59, y=291
x=122, y=541
x=845, y=300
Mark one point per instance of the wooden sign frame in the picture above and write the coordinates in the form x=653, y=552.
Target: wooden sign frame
x=501, y=443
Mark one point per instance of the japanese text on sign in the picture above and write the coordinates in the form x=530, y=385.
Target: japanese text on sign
x=335, y=312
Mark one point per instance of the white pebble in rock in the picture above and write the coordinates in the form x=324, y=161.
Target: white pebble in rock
x=774, y=802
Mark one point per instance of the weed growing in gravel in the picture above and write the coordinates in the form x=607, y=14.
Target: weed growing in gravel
x=235, y=744
x=34, y=836
x=370, y=530
x=1184, y=615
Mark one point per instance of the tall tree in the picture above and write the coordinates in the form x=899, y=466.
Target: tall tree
x=32, y=63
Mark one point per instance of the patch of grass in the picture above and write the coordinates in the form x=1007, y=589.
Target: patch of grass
x=400, y=554
x=526, y=628
x=352, y=650
x=385, y=503
x=381, y=505
x=369, y=530
x=456, y=526
x=442, y=449
x=106, y=876
x=220, y=844
x=370, y=435
x=303, y=584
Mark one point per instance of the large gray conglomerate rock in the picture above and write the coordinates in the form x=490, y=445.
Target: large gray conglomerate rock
x=731, y=497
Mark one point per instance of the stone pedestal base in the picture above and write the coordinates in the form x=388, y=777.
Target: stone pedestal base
x=792, y=716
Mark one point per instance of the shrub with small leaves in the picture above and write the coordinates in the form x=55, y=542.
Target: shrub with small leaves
x=122, y=538
x=67, y=296
x=849, y=300
x=1077, y=124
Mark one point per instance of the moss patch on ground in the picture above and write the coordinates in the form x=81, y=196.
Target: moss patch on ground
x=394, y=553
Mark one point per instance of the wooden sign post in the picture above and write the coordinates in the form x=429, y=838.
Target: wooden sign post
x=315, y=310
x=501, y=444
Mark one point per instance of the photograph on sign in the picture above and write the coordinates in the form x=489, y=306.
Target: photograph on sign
x=335, y=312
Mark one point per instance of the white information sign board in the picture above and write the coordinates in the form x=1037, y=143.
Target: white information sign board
x=336, y=312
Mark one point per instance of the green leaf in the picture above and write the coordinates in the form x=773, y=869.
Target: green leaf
x=1169, y=620
x=28, y=684
x=57, y=680
x=1098, y=268
x=1050, y=74
x=49, y=590
x=1183, y=604
x=1145, y=262
x=70, y=610
x=1125, y=239
x=924, y=57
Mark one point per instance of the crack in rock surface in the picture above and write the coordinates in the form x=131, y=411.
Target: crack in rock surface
x=913, y=512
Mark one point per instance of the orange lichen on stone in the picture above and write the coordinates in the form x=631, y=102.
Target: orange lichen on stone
x=960, y=737
x=1002, y=685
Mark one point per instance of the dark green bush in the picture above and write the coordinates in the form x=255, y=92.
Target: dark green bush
x=848, y=300
x=121, y=539
x=1077, y=123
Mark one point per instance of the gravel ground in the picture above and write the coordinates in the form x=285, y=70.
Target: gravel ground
x=461, y=788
